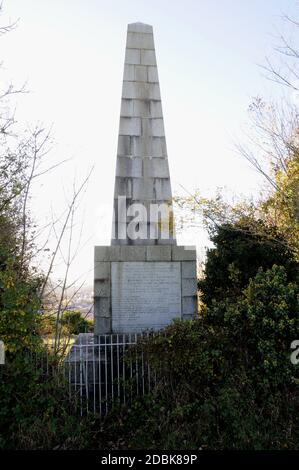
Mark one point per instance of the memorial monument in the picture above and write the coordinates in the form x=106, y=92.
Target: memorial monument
x=143, y=280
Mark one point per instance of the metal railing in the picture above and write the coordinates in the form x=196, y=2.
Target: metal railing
x=106, y=373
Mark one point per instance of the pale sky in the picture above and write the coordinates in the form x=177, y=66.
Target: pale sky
x=71, y=54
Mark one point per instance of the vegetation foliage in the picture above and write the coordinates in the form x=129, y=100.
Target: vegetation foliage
x=225, y=380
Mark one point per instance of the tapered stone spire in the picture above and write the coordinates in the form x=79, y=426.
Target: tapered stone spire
x=142, y=194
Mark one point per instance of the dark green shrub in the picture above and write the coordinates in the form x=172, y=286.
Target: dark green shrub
x=240, y=250
x=225, y=381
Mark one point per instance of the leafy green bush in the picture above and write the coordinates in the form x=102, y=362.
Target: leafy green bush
x=75, y=323
x=240, y=250
x=225, y=381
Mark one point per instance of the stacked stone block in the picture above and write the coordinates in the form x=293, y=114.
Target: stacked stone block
x=105, y=256
x=142, y=171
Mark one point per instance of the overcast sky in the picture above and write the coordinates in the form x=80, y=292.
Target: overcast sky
x=71, y=54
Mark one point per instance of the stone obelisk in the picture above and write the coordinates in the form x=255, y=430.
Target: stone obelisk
x=142, y=174
x=143, y=280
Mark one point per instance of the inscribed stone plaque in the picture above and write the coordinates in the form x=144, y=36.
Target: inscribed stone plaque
x=145, y=295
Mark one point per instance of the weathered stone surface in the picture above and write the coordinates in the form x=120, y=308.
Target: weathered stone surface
x=159, y=147
x=189, y=287
x=101, y=270
x=145, y=295
x=130, y=126
x=124, y=145
x=141, y=108
x=129, y=167
x=148, y=57
x=140, y=28
x=153, y=74
x=133, y=253
x=123, y=187
x=155, y=168
x=106, y=253
x=162, y=189
x=141, y=90
x=183, y=253
x=141, y=73
x=102, y=307
x=142, y=147
x=189, y=305
x=133, y=56
x=156, y=109
x=143, y=188
x=157, y=128
x=188, y=269
x=127, y=108
x=129, y=72
x=140, y=40
x=102, y=325
x=158, y=253
x=102, y=288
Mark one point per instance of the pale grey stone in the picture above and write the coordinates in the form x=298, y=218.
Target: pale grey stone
x=159, y=147
x=142, y=146
x=189, y=305
x=169, y=241
x=124, y=145
x=140, y=28
x=129, y=167
x=189, y=287
x=155, y=168
x=121, y=232
x=148, y=57
x=157, y=128
x=101, y=270
x=156, y=109
x=133, y=253
x=123, y=187
x=183, y=253
x=129, y=126
x=106, y=253
x=153, y=74
x=188, y=269
x=141, y=91
x=140, y=40
x=141, y=242
x=156, y=189
x=141, y=108
x=146, y=128
x=102, y=287
x=162, y=189
x=121, y=242
x=158, y=253
x=133, y=56
x=143, y=189
x=140, y=73
x=127, y=108
x=102, y=326
x=102, y=307
x=145, y=295
x=129, y=72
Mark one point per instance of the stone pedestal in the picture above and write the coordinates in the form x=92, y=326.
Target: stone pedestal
x=138, y=288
